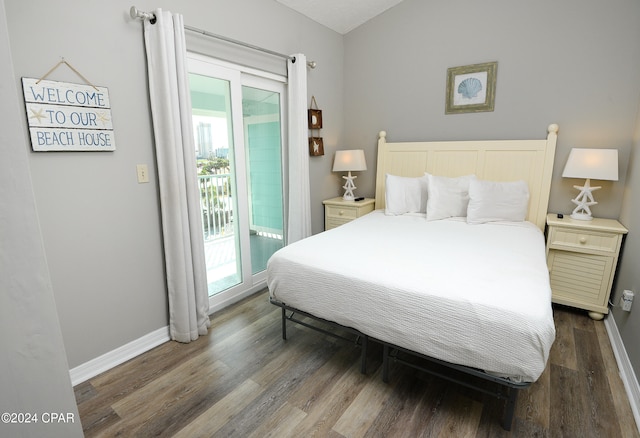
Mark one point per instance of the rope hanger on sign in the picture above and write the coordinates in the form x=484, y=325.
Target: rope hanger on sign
x=63, y=61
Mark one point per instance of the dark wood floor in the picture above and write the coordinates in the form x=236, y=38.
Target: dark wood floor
x=243, y=380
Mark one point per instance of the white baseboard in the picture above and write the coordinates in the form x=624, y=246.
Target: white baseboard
x=103, y=363
x=120, y=355
x=627, y=374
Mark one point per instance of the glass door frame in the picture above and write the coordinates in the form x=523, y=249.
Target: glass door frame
x=238, y=76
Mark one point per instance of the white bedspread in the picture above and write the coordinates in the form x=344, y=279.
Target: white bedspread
x=475, y=295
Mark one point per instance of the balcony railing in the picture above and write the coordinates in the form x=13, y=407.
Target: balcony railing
x=216, y=205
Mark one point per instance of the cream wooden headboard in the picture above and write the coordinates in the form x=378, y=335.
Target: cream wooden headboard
x=496, y=160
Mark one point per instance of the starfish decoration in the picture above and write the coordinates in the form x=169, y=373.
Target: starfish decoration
x=349, y=187
x=37, y=114
x=102, y=116
x=584, y=200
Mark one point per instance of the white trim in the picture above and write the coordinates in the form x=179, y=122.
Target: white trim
x=226, y=298
x=120, y=355
x=627, y=374
x=237, y=67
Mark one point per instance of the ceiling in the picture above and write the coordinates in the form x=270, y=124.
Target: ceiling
x=340, y=15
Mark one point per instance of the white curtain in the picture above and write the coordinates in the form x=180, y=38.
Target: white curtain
x=179, y=193
x=299, y=191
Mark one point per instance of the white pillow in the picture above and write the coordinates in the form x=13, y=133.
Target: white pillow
x=497, y=201
x=447, y=197
x=405, y=195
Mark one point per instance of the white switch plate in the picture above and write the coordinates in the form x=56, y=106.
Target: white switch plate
x=626, y=300
x=143, y=173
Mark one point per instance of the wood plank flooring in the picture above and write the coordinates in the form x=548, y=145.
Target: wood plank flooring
x=243, y=380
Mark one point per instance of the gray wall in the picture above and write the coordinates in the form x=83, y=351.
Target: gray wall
x=574, y=63
x=34, y=375
x=628, y=272
x=101, y=229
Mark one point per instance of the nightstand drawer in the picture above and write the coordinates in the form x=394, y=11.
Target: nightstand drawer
x=333, y=222
x=584, y=240
x=338, y=212
x=347, y=213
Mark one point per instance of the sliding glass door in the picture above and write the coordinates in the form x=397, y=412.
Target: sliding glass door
x=237, y=122
x=263, y=163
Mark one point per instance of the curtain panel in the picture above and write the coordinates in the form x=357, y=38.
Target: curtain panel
x=299, y=190
x=179, y=193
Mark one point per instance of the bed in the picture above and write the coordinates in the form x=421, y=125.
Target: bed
x=449, y=267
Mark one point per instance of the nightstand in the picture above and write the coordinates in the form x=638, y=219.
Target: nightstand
x=337, y=211
x=582, y=257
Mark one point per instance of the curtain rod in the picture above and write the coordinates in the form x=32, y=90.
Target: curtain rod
x=137, y=14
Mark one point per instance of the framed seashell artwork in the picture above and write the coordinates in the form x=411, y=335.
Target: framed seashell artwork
x=315, y=118
x=471, y=88
x=314, y=115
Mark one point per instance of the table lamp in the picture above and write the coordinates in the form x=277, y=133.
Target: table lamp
x=590, y=164
x=348, y=161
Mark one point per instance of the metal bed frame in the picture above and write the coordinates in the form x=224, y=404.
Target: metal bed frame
x=361, y=339
x=507, y=390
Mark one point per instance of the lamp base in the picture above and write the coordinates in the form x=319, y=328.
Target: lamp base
x=581, y=216
x=348, y=187
x=583, y=201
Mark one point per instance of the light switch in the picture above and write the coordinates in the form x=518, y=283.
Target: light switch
x=143, y=173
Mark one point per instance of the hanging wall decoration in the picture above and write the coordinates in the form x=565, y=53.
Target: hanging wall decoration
x=471, y=88
x=314, y=115
x=64, y=116
x=316, y=146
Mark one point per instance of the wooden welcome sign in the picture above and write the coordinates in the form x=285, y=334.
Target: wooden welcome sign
x=68, y=117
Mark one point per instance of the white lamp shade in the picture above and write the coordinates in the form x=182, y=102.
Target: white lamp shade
x=592, y=164
x=352, y=160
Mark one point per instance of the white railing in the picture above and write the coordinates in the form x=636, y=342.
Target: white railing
x=216, y=205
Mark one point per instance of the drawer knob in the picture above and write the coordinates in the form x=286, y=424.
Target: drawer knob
x=341, y=212
x=583, y=239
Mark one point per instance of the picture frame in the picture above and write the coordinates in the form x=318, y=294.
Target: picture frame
x=471, y=88
x=315, y=118
x=316, y=146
